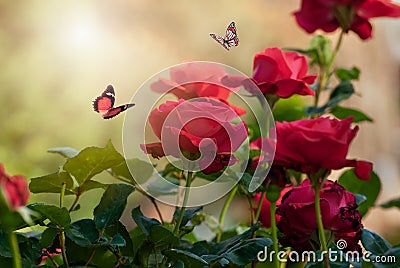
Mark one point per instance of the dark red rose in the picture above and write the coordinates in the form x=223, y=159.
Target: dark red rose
x=196, y=128
x=328, y=15
x=308, y=145
x=277, y=72
x=15, y=189
x=265, y=214
x=339, y=214
x=197, y=80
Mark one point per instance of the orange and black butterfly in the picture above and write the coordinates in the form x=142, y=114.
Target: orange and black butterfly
x=104, y=104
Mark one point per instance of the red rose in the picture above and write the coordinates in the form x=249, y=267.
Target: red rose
x=328, y=15
x=197, y=80
x=338, y=210
x=276, y=72
x=14, y=188
x=311, y=144
x=197, y=128
x=265, y=214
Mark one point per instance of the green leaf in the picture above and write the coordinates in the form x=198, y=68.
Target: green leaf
x=187, y=215
x=67, y=152
x=5, y=249
x=222, y=247
x=90, y=185
x=370, y=189
x=189, y=259
x=112, y=205
x=137, y=169
x=91, y=161
x=58, y=216
x=348, y=74
x=102, y=256
x=246, y=251
x=84, y=232
x=342, y=112
x=119, y=228
x=374, y=243
x=391, y=203
x=320, y=50
x=161, y=236
x=158, y=187
x=52, y=183
x=290, y=109
x=144, y=223
x=342, y=92
x=48, y=236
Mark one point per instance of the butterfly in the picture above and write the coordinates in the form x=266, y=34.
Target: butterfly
x=231, y=39
x=104, y=104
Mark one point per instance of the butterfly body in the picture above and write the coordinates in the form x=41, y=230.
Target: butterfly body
x=104, y=104
x=230, y=40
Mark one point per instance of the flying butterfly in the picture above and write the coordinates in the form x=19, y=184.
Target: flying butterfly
x=104, y=104
x=230, y=40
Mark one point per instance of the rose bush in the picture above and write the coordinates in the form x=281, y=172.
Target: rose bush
x=339, y=215
x=276, y=72
x=308, y=145
x=351, y=15
x=194, y=128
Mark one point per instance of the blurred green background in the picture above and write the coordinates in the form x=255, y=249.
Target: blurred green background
x=57, y=56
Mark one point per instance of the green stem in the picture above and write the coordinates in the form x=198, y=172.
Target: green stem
x=185, y=199
x=325, y=71
x=321, y=230
x=62, y=246
x=62, y=194
x=228, y=201
x=260, y=203
x=181, y=213
x=14, y=249
x=274, y=231
x=250, y=201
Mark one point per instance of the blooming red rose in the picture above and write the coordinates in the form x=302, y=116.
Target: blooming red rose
x=265, y=214
x=308, y=145
x=197, y=128
x=276, y=72
x=339, y=214
x=14, y=188
x=197, y=80
x=328, y=15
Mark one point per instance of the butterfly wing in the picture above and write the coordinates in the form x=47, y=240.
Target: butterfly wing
x=231, y=37
x=105, y=101
x=220, y=40
x=117, y=110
